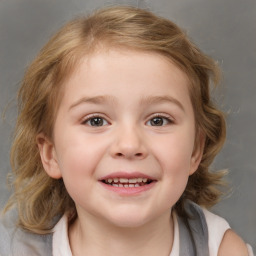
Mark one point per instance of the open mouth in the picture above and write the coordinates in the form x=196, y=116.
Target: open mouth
x=127, y=183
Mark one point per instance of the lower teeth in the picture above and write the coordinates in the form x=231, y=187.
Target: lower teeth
x=126, y=185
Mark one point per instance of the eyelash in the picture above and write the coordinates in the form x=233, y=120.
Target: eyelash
x=169, y=120
x=94, y=116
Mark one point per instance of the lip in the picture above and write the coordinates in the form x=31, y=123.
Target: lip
x=127, y=175
x=128, y=191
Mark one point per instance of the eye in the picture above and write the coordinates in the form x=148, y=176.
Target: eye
x=95, y=121
x=159, y=121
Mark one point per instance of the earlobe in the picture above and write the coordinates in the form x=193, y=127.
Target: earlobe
x=48, y=156
x=197, y=152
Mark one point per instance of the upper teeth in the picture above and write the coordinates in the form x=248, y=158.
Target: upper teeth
x=125, y=180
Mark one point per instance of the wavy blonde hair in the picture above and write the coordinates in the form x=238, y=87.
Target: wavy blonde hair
x=39, y=198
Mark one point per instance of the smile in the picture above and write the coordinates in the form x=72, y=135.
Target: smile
x=127, y=183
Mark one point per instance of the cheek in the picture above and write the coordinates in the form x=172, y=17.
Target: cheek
x=78, y=163
x=175, y=152
x=78, y=158
x=175, y=167
x=78, y=148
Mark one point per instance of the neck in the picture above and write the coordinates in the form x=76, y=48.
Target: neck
x=91, y=236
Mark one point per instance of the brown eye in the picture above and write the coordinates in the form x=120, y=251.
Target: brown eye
x=95, y=121
x=157, y=121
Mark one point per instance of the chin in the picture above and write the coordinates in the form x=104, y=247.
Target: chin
x=129, y=219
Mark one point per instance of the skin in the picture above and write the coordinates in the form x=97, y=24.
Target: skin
x=232, y=245
x=124, y=91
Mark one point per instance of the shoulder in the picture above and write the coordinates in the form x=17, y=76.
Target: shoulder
x=223, y=241
x=15, y=241
x=232, y=244
x=7, y=227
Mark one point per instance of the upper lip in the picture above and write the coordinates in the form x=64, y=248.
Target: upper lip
x=127, y=175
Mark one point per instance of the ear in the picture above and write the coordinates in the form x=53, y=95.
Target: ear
x=197, y=152
x=48, y=156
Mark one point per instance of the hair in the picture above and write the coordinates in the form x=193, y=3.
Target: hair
x=39, y=198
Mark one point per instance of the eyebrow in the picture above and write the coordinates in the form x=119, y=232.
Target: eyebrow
x=106, y=99
x=94, y=100
x=162, y=99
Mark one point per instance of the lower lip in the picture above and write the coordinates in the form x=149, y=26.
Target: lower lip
x=129, y=191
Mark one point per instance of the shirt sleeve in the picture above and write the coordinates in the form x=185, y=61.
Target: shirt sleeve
x=250, y=251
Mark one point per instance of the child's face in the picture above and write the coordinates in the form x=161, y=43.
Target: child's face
x=124, y=114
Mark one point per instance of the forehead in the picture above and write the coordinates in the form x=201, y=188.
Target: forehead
x=119, y=61
x=135, y=73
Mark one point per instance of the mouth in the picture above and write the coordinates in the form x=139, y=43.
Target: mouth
x=127, y=183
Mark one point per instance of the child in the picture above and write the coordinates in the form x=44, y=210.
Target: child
x=115, y=135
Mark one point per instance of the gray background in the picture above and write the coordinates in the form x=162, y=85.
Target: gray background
x=223, y=29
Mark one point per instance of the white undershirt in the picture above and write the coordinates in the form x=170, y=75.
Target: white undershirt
x=217, y=227
x=61, y=246
x=60, y=240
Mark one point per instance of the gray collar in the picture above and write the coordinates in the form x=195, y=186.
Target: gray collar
x=193, y=232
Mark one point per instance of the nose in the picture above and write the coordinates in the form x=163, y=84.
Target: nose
x=129, y=144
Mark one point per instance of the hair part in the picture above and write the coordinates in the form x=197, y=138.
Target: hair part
x=39, y=198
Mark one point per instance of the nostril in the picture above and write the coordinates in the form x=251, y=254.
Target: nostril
x=128, y=155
